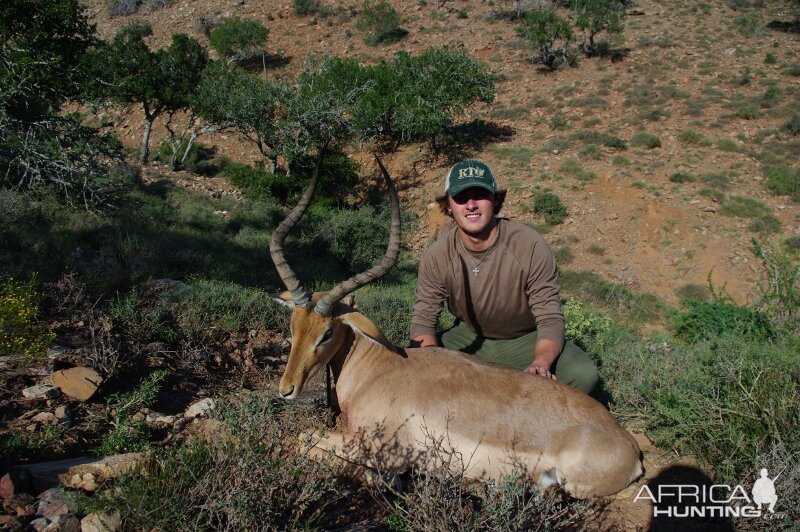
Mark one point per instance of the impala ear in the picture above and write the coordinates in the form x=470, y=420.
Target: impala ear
x=283, y=298
x=349, y=300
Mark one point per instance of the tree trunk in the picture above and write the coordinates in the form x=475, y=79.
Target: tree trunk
x=145, y=150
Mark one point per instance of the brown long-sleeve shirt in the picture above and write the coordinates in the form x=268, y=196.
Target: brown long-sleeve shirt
x=515, y=292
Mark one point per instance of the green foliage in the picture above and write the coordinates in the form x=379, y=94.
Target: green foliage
x=550, y=36
x=22, y=336
x=248, y=478
x=704, y=320
x=129, y=435
x=238, y=38
x=643, y=139
x=45, y=443
x=793, y=125
x=380, y=24
x=389, y=306
x=432, y=90
x=140, y=318
x=748, y=111
x=207, y=308
x=726, y=400
x=780, y=295
x=681, y=177
x=783, y=180
x=549, y=205
x=745, y=207
x=596, y=137
x=585, y=328
x=304, y=8
x=573, y=168
x=236, y=100
x=693, y=137
x=162, y=80
x=594, y=16
x=357, y=238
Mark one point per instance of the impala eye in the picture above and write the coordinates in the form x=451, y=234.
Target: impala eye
x=327, y=336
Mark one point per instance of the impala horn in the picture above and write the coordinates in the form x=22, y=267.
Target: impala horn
x=325, y=304
x=299, y=295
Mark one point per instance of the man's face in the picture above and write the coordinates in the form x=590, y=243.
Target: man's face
x=473, y=211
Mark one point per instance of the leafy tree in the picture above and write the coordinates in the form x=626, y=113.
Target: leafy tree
x=550, y=36
x=238, y=39
x=158, y=80
x=239, y=101
x=594, y=16
x=435, y=87
x=42, y=47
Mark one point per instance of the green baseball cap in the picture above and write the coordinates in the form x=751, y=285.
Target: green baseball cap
x=468, y=174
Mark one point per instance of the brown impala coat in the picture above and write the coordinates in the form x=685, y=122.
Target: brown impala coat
x=495, y=418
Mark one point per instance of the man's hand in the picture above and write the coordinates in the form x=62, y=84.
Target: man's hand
x=424, y=340
x=545, y=353
x=536, y=369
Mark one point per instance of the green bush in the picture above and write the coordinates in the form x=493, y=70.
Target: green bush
x=140, y=318
x=704, y=320
x=236, y=37
x=693, y=137
x=725, y=400
x=549, y=205
x=207, y=308
x=748, y=111
x=793, y=125
x=643, y=139
x=249, y=476
x=22, y=336
x=550, y=36
x=380, y=24
x=681, y=177
x=584, y=327
x=357, y=238
x=129, y=435
x=605, y=139
x=780, y=295
x=783, y=180
x=303, y=8
x=744, y=207
x=573, y=168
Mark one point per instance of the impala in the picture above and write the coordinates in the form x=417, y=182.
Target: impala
x=401, y=400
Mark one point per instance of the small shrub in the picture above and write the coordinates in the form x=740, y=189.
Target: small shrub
x=123, y=8
x=620, y=160
x=380, y=24
x=357, y=237
x=140, y=318
x=573, y=168
x=304, y=8
x=208, y=307
x=704, y=320
x=770, y=59
x=718, y=181
x=549, y=205
x=155, y=5
x=748, y=111
x=22, y=336
x=748, y=24
x=783, y=180
x=236, y=38
x=729, y=146
x=590, y=151
x=744, y=207
x=681, y=177
x=594, y=249
x=793, y=70
x=693, y=292
x=558, y=122
x=643, y=139
x=793, y=125
x=765, y=224
x=770, y=97
x=129, y=435
x=605, y=139
x=780, y=296
x=585, y=328
x=693, y=137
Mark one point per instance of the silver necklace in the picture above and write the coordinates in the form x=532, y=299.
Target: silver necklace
x=475, y=269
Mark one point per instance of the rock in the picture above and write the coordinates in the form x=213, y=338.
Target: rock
x=40, y=391
x=155, y=417
x=200, y=408
x=53, y=503
x=89, y=475
x=63, y=415
x=39, y=525
x=64, y=523
x=12, y=484
x=79, y=383
x=101, y=522
x=45, y=418
x=9, y=522
x=56, y=351
x=709, y=209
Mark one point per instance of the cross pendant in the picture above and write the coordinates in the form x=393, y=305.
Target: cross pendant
x=476, y=271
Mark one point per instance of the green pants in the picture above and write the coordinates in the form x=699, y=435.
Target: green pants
x=573, y=366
